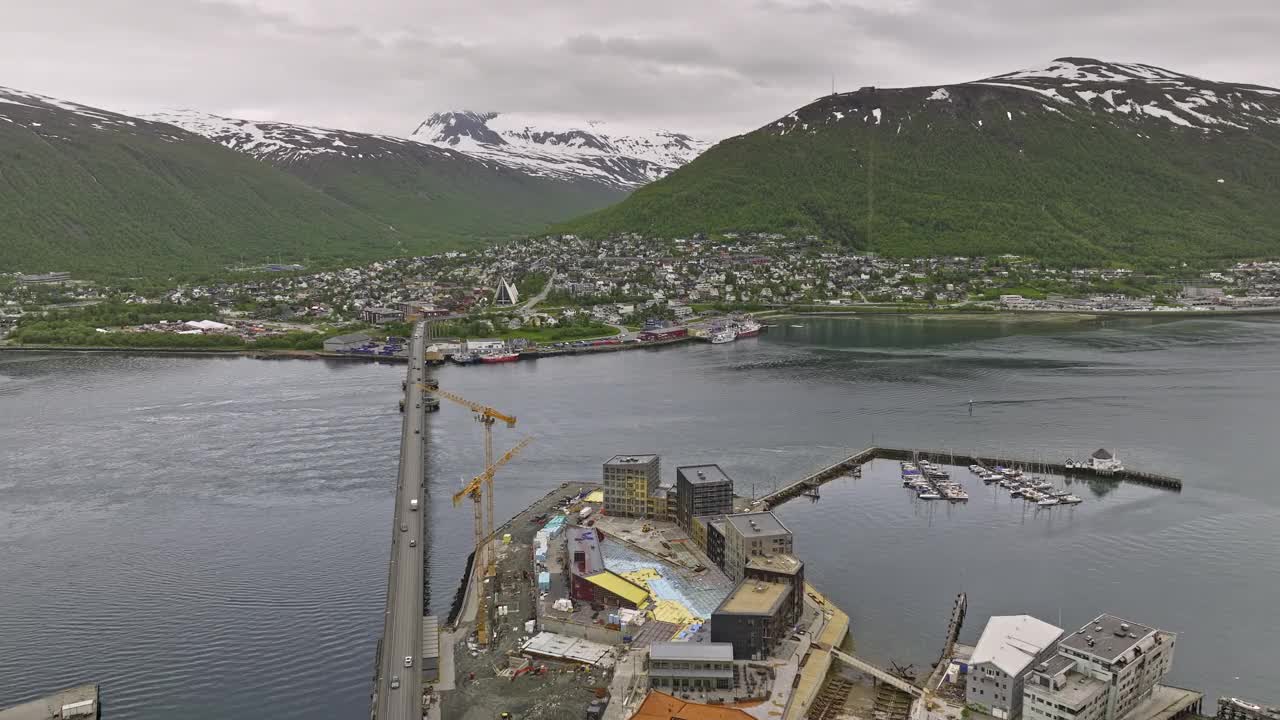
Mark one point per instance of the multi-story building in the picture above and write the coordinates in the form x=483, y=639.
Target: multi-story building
x=1056, y=689
x=1100, y=672
x=714, y=530
x=755, y=617
x=690, y=665
x=1009, y=645
x=662, y=503
x=752, y=534
x=702, y=490
x=781, y=568
x=381, y=315
x=629, y=481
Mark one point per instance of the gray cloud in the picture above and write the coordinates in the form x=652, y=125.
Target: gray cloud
x=717, y=66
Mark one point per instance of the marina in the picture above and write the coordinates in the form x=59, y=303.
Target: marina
x=932, y=481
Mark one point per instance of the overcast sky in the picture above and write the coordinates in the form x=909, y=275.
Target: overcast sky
x=715, y=67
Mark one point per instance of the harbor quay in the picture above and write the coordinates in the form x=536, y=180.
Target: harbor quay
x=79, y=702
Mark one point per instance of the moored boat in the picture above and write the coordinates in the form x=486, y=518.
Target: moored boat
x=724, y=336
x=747, y=328
x=499, y=357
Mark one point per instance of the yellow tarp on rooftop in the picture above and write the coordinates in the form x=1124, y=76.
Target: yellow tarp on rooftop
x=619, y=586
x=673, y=612
x=595, y=496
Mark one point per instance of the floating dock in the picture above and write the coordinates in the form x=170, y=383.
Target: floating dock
x=80, y=701
x=810, y=483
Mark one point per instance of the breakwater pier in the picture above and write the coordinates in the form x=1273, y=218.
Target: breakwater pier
x=851, y=464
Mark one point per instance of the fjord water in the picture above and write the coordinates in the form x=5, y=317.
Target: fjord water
x=211, y=534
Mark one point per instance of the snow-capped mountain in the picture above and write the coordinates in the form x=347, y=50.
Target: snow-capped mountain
x=46, y=115
x=283, y=143
x=557, y=147
x=1074, y=88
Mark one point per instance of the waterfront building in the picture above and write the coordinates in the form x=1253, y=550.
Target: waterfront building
x=780, y=568
x=1230, y=708
x=1104, y=461
x=755, y=617
x=1100, y=672
x=505, y=294
x=751, y=534
x=1009, y=645
x=343, y=343
x=702, y=490
x=629, y=481
x=682, y=666
x=483, y=345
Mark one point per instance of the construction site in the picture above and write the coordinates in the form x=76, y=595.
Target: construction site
x=579, y=608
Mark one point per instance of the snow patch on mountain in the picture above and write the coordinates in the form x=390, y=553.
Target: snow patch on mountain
x=1067, y=88
x=615, y=154
x=280, y=142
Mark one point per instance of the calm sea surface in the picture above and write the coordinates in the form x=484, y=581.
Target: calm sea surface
x=210, y=535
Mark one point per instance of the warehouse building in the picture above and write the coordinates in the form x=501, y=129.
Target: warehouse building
x=1009, y=645
x=345, y=343
x=590, y=581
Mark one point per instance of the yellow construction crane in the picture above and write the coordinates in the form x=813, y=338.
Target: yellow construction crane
x=473, y=490
x=486, y=416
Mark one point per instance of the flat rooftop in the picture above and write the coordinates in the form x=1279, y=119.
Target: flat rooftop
x=629, y=460
x=756, y=523
x=1112, y=637
x=706, y=651
x=755, y=597
x=703, y=474
x=585, y=541
x=1056, y=664
x=1078, y=691
x=779, y=563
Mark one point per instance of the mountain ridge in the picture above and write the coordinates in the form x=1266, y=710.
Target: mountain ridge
x=1016, y=162
x=624, y=157
x=192, y=192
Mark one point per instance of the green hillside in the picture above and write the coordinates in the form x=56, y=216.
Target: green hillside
x=991, y=169
x=98, y=193
x=448, y=201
